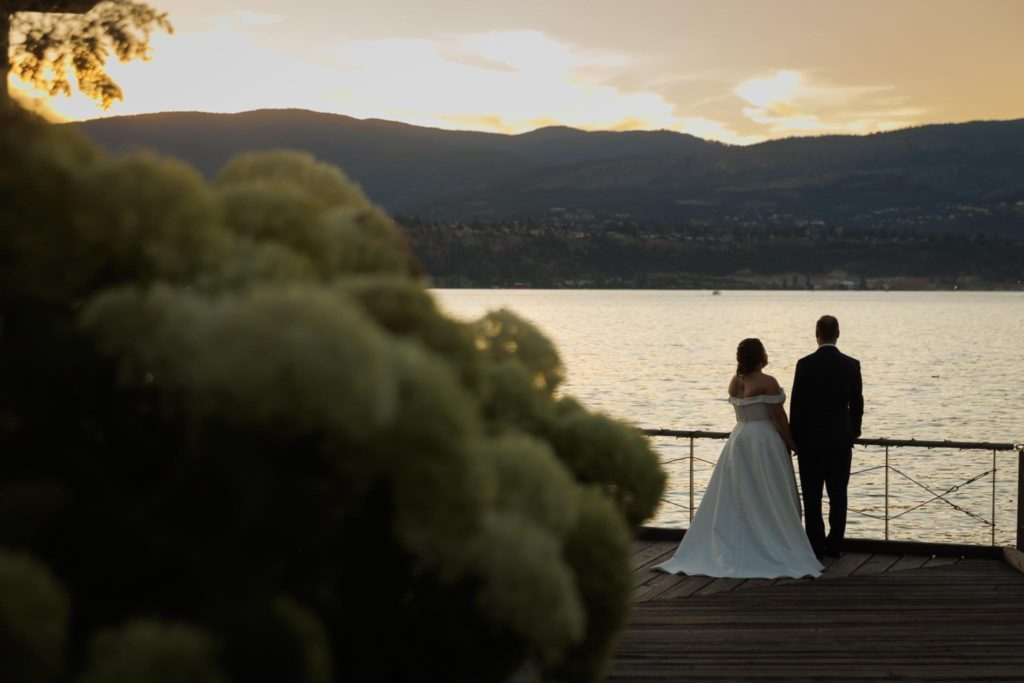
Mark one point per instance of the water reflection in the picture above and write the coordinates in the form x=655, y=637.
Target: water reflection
x=936, y=365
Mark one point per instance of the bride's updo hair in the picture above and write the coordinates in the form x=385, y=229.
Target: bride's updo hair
x=749, y=356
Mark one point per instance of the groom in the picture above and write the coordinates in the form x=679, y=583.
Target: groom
x=825, y=412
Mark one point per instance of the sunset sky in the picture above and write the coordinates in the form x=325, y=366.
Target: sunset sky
x=738, y=71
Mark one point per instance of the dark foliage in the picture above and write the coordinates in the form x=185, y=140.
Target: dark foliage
x=240, y=442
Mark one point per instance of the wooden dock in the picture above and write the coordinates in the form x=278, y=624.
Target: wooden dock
x=872, y=616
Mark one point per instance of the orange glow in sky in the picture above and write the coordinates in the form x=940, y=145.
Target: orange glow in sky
x=739, y=71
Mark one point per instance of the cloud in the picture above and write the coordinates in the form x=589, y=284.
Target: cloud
x=218, y=69
x=245, y=19
x=504, y=81
x=487, y=122
x=771, y=92
x=500, y=81
x=786, y=102
x=709, y=129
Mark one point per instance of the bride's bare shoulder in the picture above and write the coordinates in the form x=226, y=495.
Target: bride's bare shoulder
x=736, y=386
x=771, y=385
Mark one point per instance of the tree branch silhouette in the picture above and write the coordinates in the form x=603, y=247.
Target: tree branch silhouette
x=47, y=43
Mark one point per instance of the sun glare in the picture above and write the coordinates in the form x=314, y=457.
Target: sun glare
x=496, y=82
x=508, y=81
x=790, y=103
x=222, y=69
x=770, y=92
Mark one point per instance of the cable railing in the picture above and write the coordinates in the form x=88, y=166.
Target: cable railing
x=940, y=495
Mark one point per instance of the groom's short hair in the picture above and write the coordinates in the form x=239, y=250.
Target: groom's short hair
x=827, y=328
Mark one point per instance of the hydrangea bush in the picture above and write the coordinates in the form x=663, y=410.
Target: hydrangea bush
x=239, y=441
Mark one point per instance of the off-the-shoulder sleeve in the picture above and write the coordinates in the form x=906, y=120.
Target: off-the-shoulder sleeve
x=760, y=398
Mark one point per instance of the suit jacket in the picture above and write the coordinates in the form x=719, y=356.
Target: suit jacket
x=826, y=402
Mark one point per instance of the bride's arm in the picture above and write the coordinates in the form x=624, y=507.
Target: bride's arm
x=778, y=415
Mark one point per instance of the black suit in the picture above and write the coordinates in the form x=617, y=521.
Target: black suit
x=825, y=413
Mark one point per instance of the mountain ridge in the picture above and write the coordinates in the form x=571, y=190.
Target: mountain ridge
x=643, y=175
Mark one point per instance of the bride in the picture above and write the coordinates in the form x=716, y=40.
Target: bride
x=748, y=523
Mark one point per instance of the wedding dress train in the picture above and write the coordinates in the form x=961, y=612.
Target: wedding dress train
x=748, y=523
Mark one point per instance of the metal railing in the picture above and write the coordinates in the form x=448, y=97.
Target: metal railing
x=887, y=516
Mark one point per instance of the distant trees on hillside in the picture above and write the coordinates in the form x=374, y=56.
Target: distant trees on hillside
x=665, y=256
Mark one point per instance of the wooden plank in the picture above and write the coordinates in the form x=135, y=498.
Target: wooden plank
x=828, y=561
x=867, y=545
x=1014, y=557
x=656, y=586
x=652, y=555
x=954, y=621
x=640, y=545
x=861, y=545
x=754, y=584
x=878, y=564
x=937, y=561
x=784, y=581
x=649, y=550
x=909, y=562
x=687, y=587
x=661, y=534
x=845, y=565
x=720, y=585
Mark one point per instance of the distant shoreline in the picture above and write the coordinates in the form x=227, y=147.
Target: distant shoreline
x=735, y=288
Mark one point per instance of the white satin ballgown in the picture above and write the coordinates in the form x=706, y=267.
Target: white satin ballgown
x=748, y=523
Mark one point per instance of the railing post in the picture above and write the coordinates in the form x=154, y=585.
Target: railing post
x=1020, y=503
x=994, y=470
x=691, y=478
x=887, y=492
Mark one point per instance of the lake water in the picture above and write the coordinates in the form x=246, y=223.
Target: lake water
x=936, y=366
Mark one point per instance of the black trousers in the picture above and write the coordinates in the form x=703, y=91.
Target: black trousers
x=828, y=467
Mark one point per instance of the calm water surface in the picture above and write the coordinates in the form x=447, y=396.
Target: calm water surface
x=936, y=365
